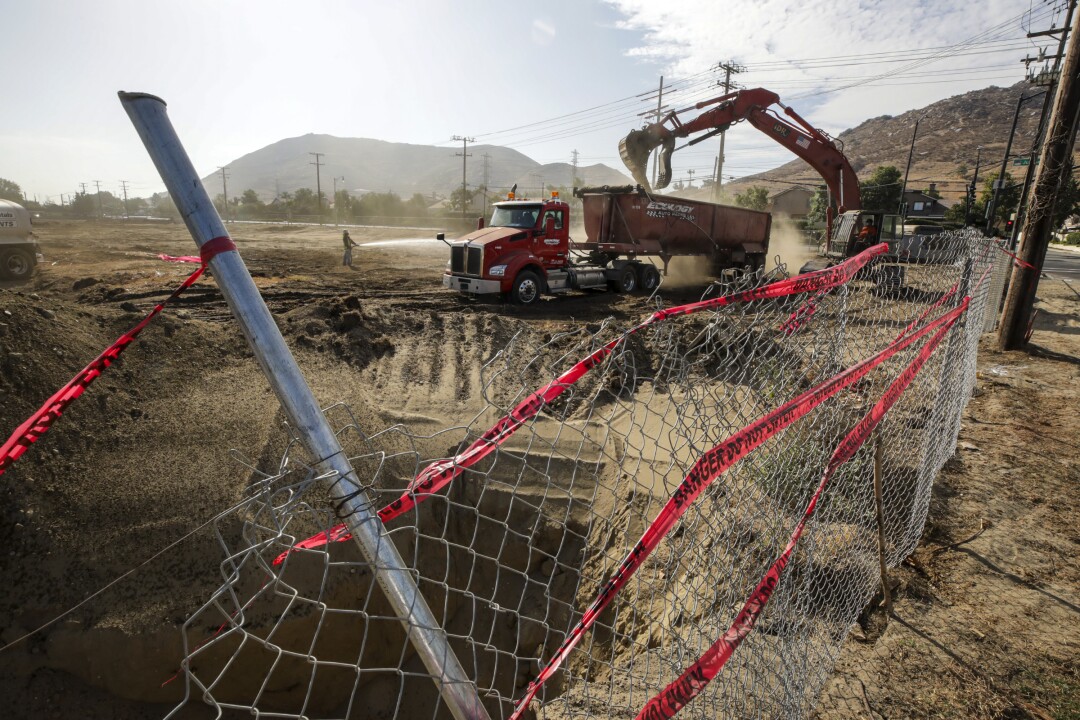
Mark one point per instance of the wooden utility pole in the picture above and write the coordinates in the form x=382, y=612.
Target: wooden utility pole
x=123, y=184
x=1038, y=220
x=318, y=182
x=464, y=155
x=729, y=69
x=224, y=191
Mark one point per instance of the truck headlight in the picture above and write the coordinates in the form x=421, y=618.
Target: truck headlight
x=497, y=270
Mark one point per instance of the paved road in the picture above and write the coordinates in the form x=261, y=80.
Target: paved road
x=1062, y=264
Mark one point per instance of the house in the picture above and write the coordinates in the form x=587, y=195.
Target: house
x=793, y=202
x=922, y=205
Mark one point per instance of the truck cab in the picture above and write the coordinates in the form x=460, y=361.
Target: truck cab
x=513, y=254
x=19, y=250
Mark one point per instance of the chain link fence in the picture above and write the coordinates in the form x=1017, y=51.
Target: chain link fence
x=527, y=527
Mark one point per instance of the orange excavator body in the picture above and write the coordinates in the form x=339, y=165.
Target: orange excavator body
x=755, y=106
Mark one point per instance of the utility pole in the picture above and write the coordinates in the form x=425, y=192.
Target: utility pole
x=337, y=215
x=123, y=184
x=224, y=190
x=318, y=181
x=999, y=184
x=1056, y=155
x=97, y=184
x=690, y=172
x=729, y=70
x=487, y=162
x=464, y=155
x=1047, y=79
x=972, y=188
x=903, y=189
x=654, y=116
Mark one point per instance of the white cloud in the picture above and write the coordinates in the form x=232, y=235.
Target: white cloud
x=783, y=44
x=543, y=32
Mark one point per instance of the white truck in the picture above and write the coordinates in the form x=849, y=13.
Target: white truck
x=19, y=249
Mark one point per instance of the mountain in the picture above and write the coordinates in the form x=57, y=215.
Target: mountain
x=946, y=147
x=376, y=165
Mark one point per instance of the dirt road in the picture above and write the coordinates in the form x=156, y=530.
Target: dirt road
x=988, y=621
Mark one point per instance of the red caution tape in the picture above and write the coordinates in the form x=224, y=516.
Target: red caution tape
x=707, y=469
x=439, y=474
x=180, y=259
x=39, y=423
x=1017, y=261
x=694, y=679
x=802, y=314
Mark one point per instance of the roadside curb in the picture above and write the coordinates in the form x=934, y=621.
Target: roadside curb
x=1066, y=248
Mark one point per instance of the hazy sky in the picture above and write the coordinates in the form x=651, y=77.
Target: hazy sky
x=545, y=78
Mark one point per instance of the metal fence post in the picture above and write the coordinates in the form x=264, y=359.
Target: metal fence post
x=148, y=114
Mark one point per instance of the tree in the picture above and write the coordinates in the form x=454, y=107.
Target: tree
x=1068, y=202
x=755, y=198
x=819, y=205
x=10, y=191
x=883, y=190
x=460, y=199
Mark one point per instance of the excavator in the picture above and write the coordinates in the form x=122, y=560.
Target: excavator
x=755, y=105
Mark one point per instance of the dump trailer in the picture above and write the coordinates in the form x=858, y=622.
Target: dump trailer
x=525, y=251
x=19, y=250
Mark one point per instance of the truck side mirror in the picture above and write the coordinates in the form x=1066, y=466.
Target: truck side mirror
x=480, y=223
x=440, y=236
x=549, y=226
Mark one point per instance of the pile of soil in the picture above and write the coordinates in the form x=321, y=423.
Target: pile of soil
x=986, y=628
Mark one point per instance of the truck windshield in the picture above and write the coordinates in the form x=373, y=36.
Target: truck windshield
x=519, y=216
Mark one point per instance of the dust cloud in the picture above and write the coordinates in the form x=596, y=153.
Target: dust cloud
x=788, y=243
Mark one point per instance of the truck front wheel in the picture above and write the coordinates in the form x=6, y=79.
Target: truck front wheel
x=526, y=288
x=16, y=264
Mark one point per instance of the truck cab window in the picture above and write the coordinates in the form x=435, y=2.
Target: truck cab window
x=515, y=216
x=557, y=214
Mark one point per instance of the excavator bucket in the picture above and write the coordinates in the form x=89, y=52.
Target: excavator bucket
x=634, y=150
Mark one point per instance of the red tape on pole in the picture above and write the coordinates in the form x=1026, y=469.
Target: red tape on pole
x=439, y=474
x=696, y=677
x=39, y=423
x=707, y=469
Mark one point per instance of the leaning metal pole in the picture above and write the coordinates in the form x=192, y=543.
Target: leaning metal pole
x=148, y=114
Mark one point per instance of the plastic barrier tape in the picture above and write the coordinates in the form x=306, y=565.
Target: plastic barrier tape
x=707, y=469
x=437, y=475
x=694, y=679
x=39, y=423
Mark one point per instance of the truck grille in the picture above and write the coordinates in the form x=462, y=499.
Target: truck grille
x=475, y=261
x=457, y=258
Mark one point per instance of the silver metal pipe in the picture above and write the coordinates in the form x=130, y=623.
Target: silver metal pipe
x=148, y=114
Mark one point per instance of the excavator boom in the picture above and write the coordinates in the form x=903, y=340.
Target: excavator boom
x=753, y=105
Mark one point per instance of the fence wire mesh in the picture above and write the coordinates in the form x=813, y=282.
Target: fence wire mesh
x=511, y=553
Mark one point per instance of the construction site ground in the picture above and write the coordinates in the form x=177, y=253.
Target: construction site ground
x=987, y=609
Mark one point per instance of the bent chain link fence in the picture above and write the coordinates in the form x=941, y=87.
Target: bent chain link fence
x=511, y=553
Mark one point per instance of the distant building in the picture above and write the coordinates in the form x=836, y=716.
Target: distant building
x=921, y=205
x=793, y=202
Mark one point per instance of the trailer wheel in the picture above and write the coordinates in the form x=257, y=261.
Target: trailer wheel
x=526, y=288
x=626, y=281
x=16, y=264
x=650, y=278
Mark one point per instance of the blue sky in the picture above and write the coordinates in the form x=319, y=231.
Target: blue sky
x=544, y=78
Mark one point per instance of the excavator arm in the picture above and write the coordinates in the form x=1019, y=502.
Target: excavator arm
x=754, y=106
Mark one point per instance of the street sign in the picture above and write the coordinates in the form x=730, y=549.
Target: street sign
x=1021, y=161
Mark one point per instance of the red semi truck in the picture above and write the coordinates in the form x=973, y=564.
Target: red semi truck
x=526, y=251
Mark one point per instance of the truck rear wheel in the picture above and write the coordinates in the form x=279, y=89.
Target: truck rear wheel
x=16, y=264
x=626, y=281
x=650, y=278
x=526, y=288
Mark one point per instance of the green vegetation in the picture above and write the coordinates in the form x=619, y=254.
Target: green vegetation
x=755, y=198
x=883, y=190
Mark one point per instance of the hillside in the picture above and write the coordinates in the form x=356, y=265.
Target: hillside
x=946, y=147
x=376, y=165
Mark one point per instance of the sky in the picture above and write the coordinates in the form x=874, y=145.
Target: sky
x=544, y=78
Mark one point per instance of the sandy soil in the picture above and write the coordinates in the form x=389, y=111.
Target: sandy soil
x=984, y=628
